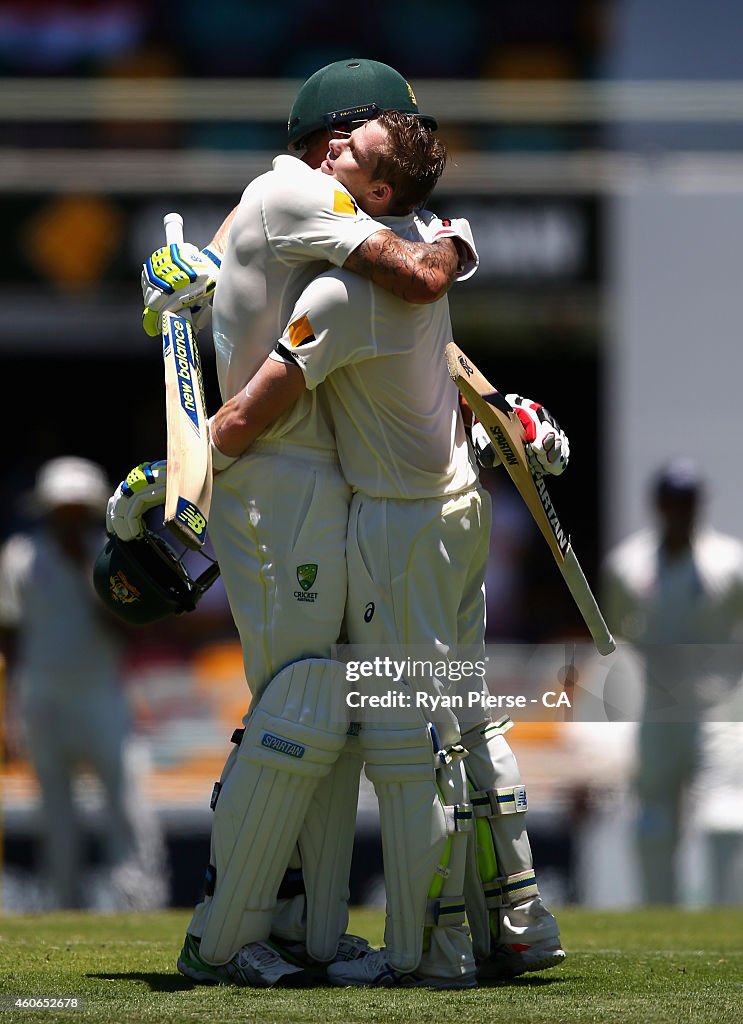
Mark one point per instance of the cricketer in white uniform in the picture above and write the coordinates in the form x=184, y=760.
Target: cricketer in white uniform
x=418, y=543
x=278, y=525
x=68, y=667
x=675, y=591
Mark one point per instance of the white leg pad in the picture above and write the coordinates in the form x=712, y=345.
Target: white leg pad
x=447, y=949
x=413, y=822
x=500, y=872
x=326, y=845
x=292, y=738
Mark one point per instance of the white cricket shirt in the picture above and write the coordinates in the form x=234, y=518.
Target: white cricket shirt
x=395, y=410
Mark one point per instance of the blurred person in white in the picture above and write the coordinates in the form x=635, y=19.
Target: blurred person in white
x=64, y=654
x=674, y=590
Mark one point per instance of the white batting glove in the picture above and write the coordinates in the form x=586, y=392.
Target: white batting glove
x=547, y=446
x=177, y=277
x=143, y=489
x=432, y=228
x=485, y=452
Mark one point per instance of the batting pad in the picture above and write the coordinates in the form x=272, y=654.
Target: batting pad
x=414, y=823
x=500, y=873
x=292, y=739
x=326, y=846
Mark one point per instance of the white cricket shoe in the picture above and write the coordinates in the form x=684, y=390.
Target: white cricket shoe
x=257, y=964
x=375, y=971
x=509, y=961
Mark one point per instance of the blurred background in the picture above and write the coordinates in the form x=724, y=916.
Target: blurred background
x=596, y=146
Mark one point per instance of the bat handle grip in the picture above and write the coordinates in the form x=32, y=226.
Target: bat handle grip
x=173, y=223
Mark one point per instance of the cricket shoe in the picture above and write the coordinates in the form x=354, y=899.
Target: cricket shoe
x=509, y=961
x=257, y=965
x=350, y=947
x=375, y=971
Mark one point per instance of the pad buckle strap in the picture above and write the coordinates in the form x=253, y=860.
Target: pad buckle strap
x=450, y=754
x=459, y=817
x=494, y=895
x=445, y=912
x=510, y=890
x=492, y=803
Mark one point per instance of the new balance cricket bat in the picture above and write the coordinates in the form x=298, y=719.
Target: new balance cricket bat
x=506, y=433
x=188, y=493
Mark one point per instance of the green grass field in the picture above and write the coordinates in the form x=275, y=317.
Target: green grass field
x=639, y=967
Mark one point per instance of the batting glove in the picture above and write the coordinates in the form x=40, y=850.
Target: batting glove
x=486, y=455
x=143, y=489
x=432, y=228
x=178, y=277
x=547, y=446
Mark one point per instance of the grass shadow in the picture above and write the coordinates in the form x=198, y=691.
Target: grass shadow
x=158, y=981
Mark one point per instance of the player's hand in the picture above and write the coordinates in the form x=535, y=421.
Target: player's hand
x=485, y=452
x=178, y=277
x=547, y=446
x=433, y=228
x=143, y=489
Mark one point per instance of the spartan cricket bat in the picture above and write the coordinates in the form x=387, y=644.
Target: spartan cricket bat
x=505, y=431
x=188, y=493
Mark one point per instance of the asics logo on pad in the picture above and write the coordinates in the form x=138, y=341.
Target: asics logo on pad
x=282, y=746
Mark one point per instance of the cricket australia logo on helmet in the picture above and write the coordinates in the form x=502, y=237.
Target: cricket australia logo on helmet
x=306, y=576
x=122, y=590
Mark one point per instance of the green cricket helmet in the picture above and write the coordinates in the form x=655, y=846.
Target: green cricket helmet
x=148, y=579
x=350, y=90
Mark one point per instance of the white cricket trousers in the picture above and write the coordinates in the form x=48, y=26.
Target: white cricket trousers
x=416, y=571
x=278, y=526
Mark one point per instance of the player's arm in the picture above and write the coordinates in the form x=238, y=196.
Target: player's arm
x=219, y=242
x=272, y=390
x=419, y=272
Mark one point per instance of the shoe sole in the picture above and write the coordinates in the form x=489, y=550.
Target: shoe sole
x=504, y=969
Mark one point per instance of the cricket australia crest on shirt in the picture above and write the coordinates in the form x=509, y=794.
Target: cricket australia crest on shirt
x=306, y=576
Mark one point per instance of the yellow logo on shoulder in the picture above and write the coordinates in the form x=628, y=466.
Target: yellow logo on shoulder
x=342, y=203
x=300, y=332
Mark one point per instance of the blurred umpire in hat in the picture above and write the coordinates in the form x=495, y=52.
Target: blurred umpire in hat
x=675, y=591
x=64, y=655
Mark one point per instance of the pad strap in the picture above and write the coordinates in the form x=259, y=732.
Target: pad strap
x=459, y=817
x=451, y=754
x=445, y=912
x=491, y=803
x=510, y=890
